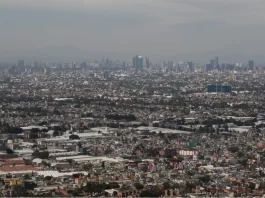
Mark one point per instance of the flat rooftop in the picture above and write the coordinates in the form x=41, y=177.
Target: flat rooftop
x=163, y=130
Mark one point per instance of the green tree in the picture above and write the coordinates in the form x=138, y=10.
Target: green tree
x=233, y=149
x=205, y=179
x=18, y=191
x=166, y=185
x=9, y=151
x=48, y=178
x=138, y=186
x=74, y=137
x=240, y=154
x=55, y=133
x=179, y=159
x=26, y=176
x=155, y=192
x=88, y=167
x=41, y=155
x=125, y=187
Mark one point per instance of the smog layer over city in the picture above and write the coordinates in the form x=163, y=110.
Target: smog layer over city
x=132, y=98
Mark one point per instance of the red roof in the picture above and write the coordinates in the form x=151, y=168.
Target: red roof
x=8, y=156
x=11, y=162
x=17, y=168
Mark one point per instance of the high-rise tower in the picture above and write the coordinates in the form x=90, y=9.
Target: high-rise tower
x=251, y=65
x=216, y=61
x=138, y=62
x=21, y=63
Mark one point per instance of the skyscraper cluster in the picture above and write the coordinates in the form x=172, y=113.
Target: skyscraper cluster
x=214, y=64
x=191, y=67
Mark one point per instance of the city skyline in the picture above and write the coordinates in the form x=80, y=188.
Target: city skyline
x=145, y=61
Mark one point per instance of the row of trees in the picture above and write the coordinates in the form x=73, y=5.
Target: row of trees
x=41, y=154
x=210, y=122
x=99, y=187
x=129, y=117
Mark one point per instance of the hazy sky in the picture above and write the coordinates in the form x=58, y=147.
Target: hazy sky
x=161, y=29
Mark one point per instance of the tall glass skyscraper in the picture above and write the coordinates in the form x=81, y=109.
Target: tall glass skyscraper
x=138, y=62
x=21, y=63
x=216, y=61
x=251, y=65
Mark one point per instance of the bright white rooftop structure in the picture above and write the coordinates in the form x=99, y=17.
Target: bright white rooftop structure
x=59, y=174
x=63, y=99
x=99, y=159
x=72, y=157
x=65, y=137
x=33, y=127
x=58, y=138
x=102, y=129
x=110, y=191
x=83, y=135
x=24, y=151
x=63, y=153
x=37, y=160
x=27, y=144
x=147, y=160
x=163, y=130
x=239, y=129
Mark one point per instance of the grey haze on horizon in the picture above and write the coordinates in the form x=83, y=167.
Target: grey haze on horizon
x=197, y=30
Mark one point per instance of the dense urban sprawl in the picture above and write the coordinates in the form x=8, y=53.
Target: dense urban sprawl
x=113, y=129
